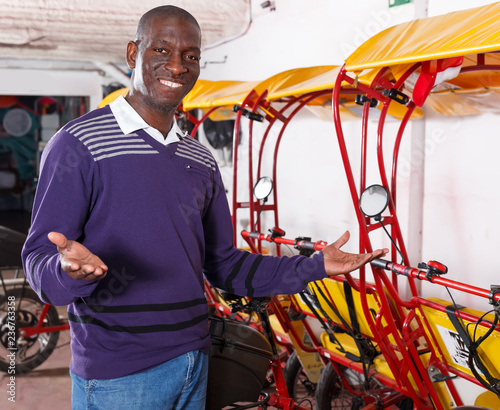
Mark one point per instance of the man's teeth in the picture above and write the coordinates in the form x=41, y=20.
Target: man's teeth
x=170, y=84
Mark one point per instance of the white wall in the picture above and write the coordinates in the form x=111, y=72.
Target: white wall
x=460, y=227
x=459, y=224
x=325, y=32
x=300, y=34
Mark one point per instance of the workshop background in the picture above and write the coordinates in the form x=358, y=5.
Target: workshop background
x=59, y=58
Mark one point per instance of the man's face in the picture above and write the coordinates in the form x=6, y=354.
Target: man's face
x=166, y=63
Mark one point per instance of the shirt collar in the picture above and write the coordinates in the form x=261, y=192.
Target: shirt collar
x=129, y=120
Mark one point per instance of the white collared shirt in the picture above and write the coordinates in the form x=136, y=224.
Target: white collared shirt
x=129, y=121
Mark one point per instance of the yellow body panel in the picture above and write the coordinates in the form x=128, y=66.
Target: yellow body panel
x=455, y=353
x=336, y=291
x=381, y=367
x=488, y=400
x=310, y=361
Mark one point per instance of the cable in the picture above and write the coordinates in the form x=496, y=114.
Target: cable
x=459, y=316
x=304, y=401
x=258, y=216
x=392, y=241
x=220, y=43
x=474, y=359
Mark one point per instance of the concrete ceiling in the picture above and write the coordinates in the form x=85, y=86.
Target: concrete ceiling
x=98, y=30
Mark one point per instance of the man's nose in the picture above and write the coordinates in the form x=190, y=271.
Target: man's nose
x=175, y=64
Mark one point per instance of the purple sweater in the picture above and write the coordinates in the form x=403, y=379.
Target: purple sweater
x=158, y=217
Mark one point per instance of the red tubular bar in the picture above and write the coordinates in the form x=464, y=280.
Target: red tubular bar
x=391, y=358
x=278, y=310
x=300, y=102
x=35, y=330
x=419, y=274
x=402, y=127
x=40, y=328
x=386, y=101
x=254, y=102
x=404, y=365
x=317, y=246
x=236, y=140
x=253, y=210
x=200, y=121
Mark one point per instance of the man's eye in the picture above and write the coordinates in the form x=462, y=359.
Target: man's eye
x=159, y=50
x=192, y=57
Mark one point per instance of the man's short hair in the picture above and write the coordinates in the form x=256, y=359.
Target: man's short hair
x=163, y=11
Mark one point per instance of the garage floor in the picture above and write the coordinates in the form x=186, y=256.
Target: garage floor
x=48, y=387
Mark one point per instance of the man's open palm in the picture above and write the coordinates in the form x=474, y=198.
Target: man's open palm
x=338, y=262
x=76, y=260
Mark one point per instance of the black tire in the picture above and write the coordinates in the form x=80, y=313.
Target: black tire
x=32, y=351
x=331, y=393
x=297, y=383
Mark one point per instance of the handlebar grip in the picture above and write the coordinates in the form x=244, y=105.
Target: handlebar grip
x=380, y=263
x=305, y=245
x=254, y=235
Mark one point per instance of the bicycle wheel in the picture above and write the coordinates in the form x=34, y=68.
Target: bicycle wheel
x=30, y=352
x=331, y=393
x=299, y=387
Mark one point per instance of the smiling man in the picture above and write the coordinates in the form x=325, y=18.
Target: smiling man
x=130, y=216
x=165, y=59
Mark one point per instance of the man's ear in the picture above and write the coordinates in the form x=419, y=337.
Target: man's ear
x=131, y=54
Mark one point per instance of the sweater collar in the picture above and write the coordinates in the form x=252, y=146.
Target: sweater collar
x=130, y=121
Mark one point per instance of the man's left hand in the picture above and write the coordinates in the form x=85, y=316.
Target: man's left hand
x=338, y=262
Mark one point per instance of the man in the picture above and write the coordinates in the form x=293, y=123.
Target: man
x=138, y=214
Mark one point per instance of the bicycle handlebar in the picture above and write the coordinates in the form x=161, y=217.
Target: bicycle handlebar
x=431, y=272
x=299, y=243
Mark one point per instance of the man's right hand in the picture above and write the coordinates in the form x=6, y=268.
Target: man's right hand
x=76, y=260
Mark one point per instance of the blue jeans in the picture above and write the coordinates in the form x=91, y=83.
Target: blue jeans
x=180, y=383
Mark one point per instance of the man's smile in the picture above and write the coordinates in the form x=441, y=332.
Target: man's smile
x=171, y=84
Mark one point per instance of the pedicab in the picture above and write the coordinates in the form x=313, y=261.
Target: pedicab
x=292, y=91
x=253, y=108
x=436, y=61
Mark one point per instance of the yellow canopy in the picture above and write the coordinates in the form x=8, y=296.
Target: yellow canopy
x=465, y=102
x=299, y=81
x=455, y=34
x=208, y=94
x=295, y=82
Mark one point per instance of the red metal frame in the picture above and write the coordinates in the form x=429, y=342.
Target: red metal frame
x=40, y=328
x=283, y=116
x=402, y=358
x=396, y=365
x=406, y=339
x=413, y=328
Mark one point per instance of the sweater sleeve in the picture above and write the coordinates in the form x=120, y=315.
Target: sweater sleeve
x=62, y=202
x=242, y=273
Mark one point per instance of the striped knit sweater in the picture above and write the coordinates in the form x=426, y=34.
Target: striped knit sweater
x=158, y=217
